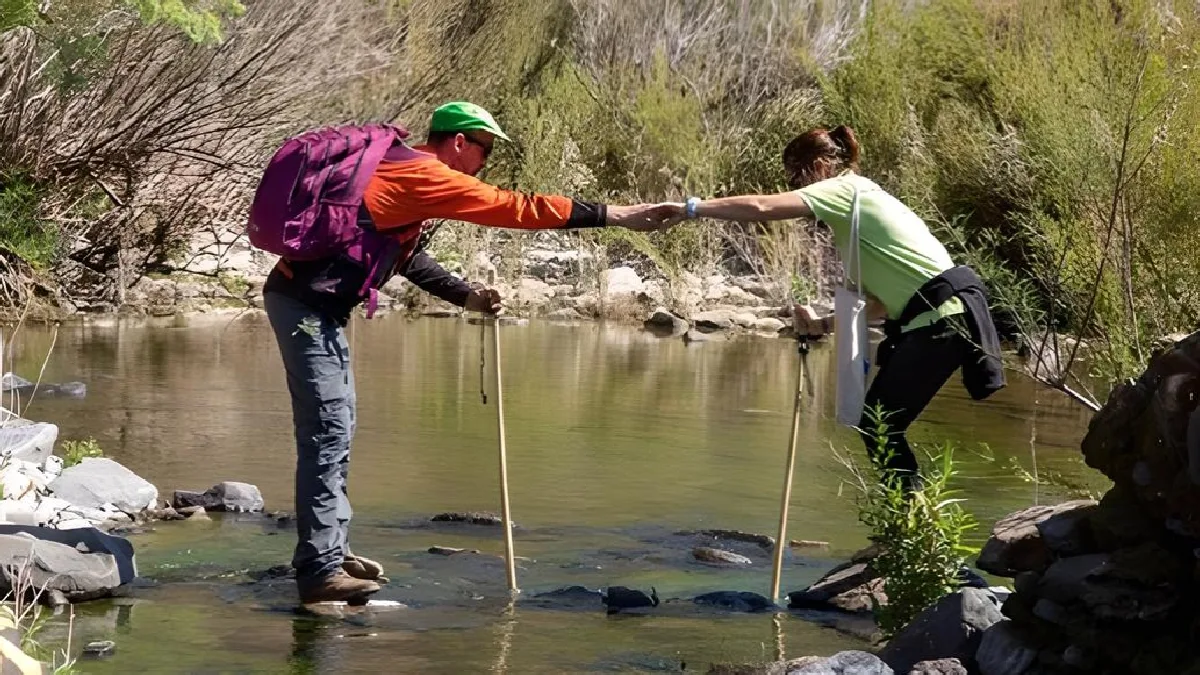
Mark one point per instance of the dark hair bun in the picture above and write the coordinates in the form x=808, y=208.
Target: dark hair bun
x=847, y=142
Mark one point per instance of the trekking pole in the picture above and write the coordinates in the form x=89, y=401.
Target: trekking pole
x=505, y=512
x=781, y=540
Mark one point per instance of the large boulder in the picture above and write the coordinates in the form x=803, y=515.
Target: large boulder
x=952, y=629
x=1017, y=543
x=1146, y=439
x=97, y=481
x=82, y=564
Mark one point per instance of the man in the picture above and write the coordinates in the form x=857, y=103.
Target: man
x=309, y=304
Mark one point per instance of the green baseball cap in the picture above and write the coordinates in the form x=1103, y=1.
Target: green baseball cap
x=463, y=116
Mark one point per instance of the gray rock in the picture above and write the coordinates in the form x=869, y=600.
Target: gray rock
x=97, y=481
x=1017, y=545
x=851, y=587
x=715, y=320
x=665, y=324
x=228, y=496
x=952, y=628
x=939, y=667
x=448, y=550
x=238, y=497
x=716, y=556
x=745, y=319
x=1004, y=651
x=769, y=325
x=696, y=336
x=842, y=663
x=100, y=648
x=80, y=564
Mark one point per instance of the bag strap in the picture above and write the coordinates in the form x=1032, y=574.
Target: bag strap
x=853, y=253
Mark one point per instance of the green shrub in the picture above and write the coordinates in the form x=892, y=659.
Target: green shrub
x=920, y=532
x=75, y=452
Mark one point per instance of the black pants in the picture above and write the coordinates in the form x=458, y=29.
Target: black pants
x=913, y=367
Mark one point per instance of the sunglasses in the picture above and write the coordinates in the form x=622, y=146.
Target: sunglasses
x=487, y=147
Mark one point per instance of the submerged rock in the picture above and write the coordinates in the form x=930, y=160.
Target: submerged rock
x=570, y=595
x=762, y=540
x=471, y=517
x=449, y=550
x=737, y=601
x=716, y=556
x=617, y=598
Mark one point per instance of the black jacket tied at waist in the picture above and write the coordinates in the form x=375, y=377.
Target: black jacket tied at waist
x=983, y=371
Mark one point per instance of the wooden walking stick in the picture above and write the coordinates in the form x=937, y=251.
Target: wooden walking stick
x=781, y=540
x=505, y=512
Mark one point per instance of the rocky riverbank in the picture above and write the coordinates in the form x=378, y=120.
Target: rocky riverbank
x=549, y=276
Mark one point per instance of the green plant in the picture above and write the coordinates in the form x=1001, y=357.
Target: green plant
x=75, y=452
x=920, y=531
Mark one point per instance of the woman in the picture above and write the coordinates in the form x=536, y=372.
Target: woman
x=937, y=318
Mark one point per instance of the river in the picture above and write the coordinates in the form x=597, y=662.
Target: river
x=616, y=441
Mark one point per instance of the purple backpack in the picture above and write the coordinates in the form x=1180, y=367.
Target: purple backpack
x=307, y=203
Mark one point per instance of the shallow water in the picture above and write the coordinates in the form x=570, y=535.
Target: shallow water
x=616, y=441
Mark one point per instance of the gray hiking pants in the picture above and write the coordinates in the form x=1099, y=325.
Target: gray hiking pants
x=316, y=357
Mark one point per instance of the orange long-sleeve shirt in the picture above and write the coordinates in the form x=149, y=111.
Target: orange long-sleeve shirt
x=419, y=187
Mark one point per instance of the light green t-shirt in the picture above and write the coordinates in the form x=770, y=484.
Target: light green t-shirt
x=899, y=253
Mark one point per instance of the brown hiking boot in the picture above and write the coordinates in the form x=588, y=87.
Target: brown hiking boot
x=336, y=587
x=363, y=568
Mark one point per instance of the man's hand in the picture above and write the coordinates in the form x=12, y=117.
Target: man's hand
x=645, y=217
x=805, y=322
x=485, y=300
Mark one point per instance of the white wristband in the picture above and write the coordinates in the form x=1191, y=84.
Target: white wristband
x=690, y=209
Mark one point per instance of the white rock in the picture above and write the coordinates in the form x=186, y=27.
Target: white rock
x=52, y=467
x=73, y=524
x=50, y=511
x=769, y=325
x=17, y=486
x=532, y=291
x=97, y=481
x=28, y=442
x=622, y=281
x=745, y=319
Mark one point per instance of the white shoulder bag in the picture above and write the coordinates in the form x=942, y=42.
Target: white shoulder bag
x=850, y=335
